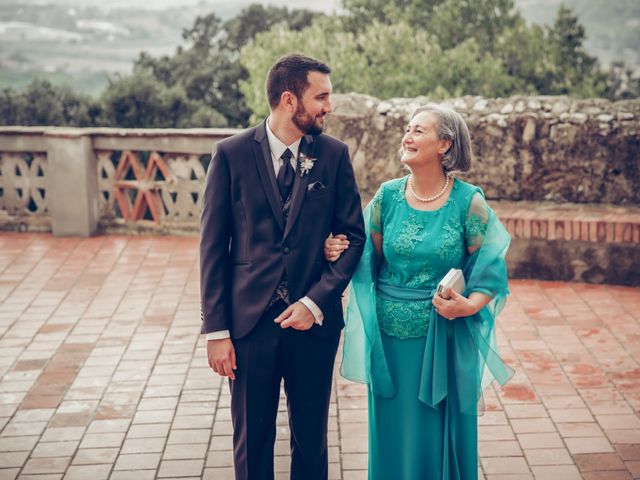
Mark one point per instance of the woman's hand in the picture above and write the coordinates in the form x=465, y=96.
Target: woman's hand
x=455, y=306
x=334, y=246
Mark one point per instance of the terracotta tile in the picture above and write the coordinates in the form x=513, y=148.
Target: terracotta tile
x=180, y=468
x=221, y=459
x=17, y=444
x=555, y=472
x=610, y=475
x=540, y=440
x=354, y=461
x=55, y=449
x=634, y=468
x=501, y=448
x=579, y=429
x=133, y=474
x=188, y=436
x=617, y=422
x=62, y=434
x=102, y=440
x=570, y=415
x=148, y=431
x=46, y=465
x=90, y=456
x=153, y=416
x=548, y=456
x=83, y=472
x=487, y=433
x=504, y=465
x=624, y=436
x=628, y=452
x=227, y=474
x=598, y=461
x=532, y=425
x=186, y=452
x=225, y=442
x=143, y=445
x=138, y=461
x=33, y=415
x=12, y=459
x=525, y=411
x=192, y=421
x=588, y=445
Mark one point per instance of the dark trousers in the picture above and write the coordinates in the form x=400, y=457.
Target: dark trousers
x=304, y=360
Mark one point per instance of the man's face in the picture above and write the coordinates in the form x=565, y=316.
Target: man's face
x=314, y=104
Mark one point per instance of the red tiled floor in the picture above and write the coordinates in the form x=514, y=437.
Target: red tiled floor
x=102, y=372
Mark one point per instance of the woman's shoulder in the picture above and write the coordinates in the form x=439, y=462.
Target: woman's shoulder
x=467, y=190
x=466, y=193
x=394, y=183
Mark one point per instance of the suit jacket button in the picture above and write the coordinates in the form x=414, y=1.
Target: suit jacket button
x=286, y=250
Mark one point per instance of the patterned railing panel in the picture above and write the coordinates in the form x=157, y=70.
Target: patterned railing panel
x=150, y=187
x=23, y=184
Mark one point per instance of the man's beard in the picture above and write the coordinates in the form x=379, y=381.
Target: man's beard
x=305, y=122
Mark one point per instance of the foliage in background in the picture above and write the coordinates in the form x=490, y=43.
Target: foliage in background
x=390, y=48
x=440, y=48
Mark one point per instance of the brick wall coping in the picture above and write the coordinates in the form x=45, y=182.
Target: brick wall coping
x=570, y=221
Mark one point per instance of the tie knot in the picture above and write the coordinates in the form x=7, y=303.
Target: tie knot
x=286, y=155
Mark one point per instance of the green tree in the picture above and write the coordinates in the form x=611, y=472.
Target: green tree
x=43, y=103
x=384, y=60
x=575, y=71
x=209, y=70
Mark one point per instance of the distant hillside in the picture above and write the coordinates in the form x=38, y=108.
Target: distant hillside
x=81, y=42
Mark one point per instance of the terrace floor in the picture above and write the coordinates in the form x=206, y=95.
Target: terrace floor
x=103, y=373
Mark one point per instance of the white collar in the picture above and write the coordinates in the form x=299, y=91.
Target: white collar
x=277, y=147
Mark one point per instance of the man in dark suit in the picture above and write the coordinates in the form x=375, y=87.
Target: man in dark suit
x=271, y=304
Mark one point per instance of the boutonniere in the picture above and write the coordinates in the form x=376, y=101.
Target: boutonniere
x=305, y=163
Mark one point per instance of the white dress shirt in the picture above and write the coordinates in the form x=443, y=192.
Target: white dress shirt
x=277, y=149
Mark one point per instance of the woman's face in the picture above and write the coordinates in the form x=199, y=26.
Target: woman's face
x=420, y=144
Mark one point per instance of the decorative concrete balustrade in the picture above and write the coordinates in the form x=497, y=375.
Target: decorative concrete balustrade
x=562, y=174
x=79, y=181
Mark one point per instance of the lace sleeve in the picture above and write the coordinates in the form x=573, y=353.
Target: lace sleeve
x=476, y=222
x=376, y=212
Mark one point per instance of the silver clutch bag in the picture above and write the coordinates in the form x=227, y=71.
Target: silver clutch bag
x=453, y=280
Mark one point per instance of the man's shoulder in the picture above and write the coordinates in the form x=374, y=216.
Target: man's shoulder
x=329, y=141
x=240, y=139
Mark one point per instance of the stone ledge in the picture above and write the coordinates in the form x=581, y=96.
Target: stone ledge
x=567, y=221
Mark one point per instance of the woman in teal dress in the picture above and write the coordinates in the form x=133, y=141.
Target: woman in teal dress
x=426, y=359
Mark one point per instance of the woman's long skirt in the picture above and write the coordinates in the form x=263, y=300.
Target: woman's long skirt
x=409, y=440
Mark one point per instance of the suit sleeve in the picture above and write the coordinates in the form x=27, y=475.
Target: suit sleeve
x=215, y=235
x=347, y=219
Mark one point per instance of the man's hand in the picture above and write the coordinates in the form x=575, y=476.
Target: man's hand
x=334, y=246
x=297, y=316
x=222, y=357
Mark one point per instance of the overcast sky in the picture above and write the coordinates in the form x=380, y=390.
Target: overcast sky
x=322, y=5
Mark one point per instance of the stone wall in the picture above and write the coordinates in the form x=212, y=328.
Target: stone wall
x=527, y=148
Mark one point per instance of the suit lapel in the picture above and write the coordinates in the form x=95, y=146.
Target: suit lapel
x=300, y=185
x=262, y=153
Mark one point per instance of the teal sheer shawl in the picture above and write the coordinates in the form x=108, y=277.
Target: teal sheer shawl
x=476, y=360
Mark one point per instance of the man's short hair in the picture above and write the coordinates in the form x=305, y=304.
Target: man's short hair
x=289, y=74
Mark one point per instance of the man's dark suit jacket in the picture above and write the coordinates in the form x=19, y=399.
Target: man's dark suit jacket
x=245, y=245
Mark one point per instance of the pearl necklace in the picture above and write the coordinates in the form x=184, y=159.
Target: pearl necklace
x=428, y=199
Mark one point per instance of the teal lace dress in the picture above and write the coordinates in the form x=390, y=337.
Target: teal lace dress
x=426, y=374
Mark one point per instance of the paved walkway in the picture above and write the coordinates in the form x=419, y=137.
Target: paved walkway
x=103, y=373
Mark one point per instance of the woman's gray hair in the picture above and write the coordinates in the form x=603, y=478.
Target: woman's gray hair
x=451, y=126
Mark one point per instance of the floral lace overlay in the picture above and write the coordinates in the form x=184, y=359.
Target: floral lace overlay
x=476, y=226
x=451, y=245
x=404, y=319
x=405, y=243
